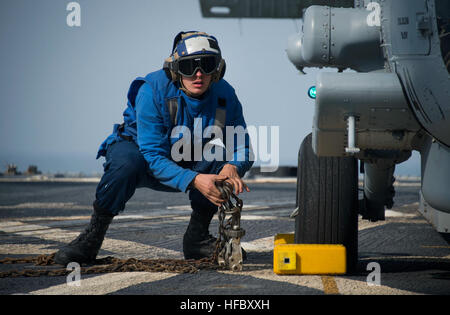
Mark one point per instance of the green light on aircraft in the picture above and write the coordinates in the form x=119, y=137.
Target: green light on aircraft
x=312, y=92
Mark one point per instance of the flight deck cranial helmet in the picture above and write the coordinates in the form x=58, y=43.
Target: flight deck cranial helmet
x=193, y=51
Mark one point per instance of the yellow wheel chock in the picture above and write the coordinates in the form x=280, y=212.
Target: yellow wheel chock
x=307, y=259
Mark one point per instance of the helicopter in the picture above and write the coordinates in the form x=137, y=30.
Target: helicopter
x=395, y=101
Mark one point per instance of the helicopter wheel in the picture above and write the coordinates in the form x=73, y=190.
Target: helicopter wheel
x=327, y=201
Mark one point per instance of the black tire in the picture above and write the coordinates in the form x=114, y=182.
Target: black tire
x=327, y=199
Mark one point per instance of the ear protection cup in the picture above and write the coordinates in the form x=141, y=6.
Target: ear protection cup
x=168, y=69
x=220, y=73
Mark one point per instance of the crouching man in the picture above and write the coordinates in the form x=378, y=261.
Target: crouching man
x=168, y=106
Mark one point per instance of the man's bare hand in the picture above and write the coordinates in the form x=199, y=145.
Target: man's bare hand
x=206, y=184
x=230, y=171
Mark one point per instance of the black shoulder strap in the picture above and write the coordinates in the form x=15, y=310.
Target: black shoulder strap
x=172, y=108
x=221, y=113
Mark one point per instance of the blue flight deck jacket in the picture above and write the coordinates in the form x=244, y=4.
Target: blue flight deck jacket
x=147, y=121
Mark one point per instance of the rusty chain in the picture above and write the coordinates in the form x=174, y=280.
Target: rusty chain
x=108, y=264
x=112, y=264
x=230, y=231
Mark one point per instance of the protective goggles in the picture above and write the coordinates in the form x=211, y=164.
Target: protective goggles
x=188, y=67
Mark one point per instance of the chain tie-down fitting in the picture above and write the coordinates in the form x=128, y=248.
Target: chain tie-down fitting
x=230, y=231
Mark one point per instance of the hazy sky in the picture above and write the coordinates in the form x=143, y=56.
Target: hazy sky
x=62, y=88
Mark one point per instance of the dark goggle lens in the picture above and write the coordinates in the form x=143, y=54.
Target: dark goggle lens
x=188, y=67
x=208, y=64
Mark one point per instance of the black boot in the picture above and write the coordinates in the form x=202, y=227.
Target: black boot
x=85, y=247
x=197, y=242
